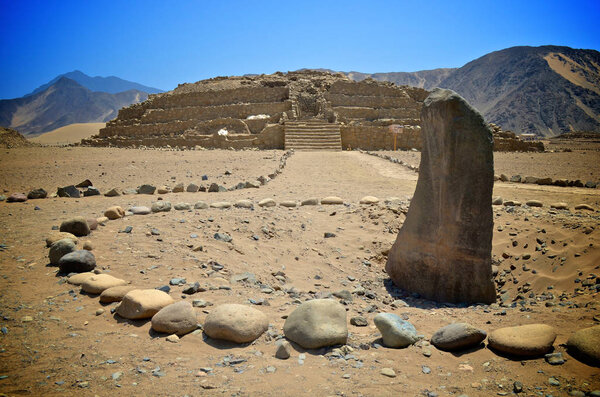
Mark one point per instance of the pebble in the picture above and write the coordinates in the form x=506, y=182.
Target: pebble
x=332, y=200
x=223, y=237
x=267, y=203
x=284, y=349
x=173, y=338
x=555, y=358
x=389, y=372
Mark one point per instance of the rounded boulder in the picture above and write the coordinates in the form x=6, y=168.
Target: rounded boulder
x=77, y=226
x=585, y=344
x=395, y=331
x=317, y=323
x=60, y=249
x=143, y=303
x=457, y=336
x=115, y=294
x=178, y=318
x=235, y=323
x=100, y=282
x=524, y=340
x=77, y=262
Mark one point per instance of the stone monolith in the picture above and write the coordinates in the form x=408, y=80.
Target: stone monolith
x=443, y=250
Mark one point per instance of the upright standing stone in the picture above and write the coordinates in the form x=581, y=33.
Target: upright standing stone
x=443, y=251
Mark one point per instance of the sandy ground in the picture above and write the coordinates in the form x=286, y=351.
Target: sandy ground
x=72, y=133
x=67, y=350
x=583, y=162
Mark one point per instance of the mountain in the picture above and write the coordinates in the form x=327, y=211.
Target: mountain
x=427, y=79
x=110, y=84
x=545, y=90
x=62, y=103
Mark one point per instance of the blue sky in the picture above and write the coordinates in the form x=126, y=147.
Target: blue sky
x=164, y=43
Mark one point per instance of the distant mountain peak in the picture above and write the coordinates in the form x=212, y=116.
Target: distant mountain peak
x=110, y=84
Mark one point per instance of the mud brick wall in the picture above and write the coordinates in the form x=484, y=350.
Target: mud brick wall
x=379, y=138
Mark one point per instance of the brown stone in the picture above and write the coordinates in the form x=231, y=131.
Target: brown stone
x=443, y=251
x=585, y=344
x=115, y=294
x=56, y=236
x=524, y=340
x=100, y=282
x=235, y=323
x=115, y=212
x=143, y=303
x=178, y=318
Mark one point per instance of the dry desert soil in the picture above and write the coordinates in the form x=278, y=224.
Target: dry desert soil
x=53, y=342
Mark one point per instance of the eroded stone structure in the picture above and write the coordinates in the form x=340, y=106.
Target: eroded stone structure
x=253, y=111
x=443, y=251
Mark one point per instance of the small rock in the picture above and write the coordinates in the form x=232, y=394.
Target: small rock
x=284, y=349
x=560, y=206
x=223, y=237
x=112, y=193
x=555, y=358
x=146, y=189
x=359, y=321
x=584, y=207
x=310, y=201
x=369, y=200
x=182, y=206
x=534, y=203
x=140, y=210
x=201, y=205
x=192, y=188
x=37, y=194
x=60, y=249
x=77, y=226
x=77, y=262
x=243, y=204
x=395, y=331
x=221, y=205
x=161, y=206
x=389, y=372
x=457, y=336
x=332, y=200
x=267, y=203
x=173, y=338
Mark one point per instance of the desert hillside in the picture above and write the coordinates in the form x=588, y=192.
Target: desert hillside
x=545, y=90
x=72, y=133
x=64, y=102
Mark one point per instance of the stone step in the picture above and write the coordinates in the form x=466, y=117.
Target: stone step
x=312, y=135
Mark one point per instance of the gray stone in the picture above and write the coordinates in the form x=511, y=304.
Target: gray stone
x=77, y=226
x=267, y=203
x=77, y=262
x=221, y=205
x=443, y=250
x=140, y=210
x=555, y=358
x=37, y=194
x=310, y=201
x=331, y=200
x=235, y=323
x=182, y=206
x=284, y=349
x=497, y=201
x=192, y=188
x=178, y=318
x=223, y=237
x=201, y=205
x=317, y=323
x=457, y=336
x=60, y=249
x=243, y=204
x=359, y=321
x=146, y=189
x=252, y=185
x=395, y=331
x=161, y=206
x=68, y=191
x=91, y=191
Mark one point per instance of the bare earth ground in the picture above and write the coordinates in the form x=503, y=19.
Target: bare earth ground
x=67, y=350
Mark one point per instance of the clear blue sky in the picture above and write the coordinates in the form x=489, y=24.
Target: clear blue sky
x=164, y=43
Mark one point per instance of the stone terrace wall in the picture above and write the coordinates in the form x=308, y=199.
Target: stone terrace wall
x=379, y=138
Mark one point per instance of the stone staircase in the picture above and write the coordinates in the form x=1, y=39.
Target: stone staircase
x=312, y=135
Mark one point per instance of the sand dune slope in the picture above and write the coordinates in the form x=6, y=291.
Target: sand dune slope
x=72, y=133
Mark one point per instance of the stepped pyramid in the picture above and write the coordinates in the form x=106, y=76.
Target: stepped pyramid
x=304, y=110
